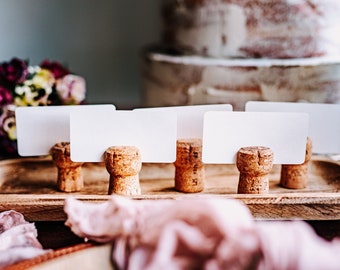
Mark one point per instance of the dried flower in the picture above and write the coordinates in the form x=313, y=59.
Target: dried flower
x=25, y=85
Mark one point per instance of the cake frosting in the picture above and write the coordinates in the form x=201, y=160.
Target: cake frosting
x=248, y=28
x=170, y=80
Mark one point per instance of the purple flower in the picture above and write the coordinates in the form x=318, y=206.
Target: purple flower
x=56, y=68
x=5, y=96
x=13, y=72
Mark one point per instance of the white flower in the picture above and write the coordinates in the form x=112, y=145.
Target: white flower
x=29, y=95
x=20, y=90
x=42, y=79
x=33, y=69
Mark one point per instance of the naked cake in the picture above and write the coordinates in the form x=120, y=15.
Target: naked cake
x=234, y=51
x=248, y=28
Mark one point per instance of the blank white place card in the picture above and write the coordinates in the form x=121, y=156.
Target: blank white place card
x=190, y=118
x=39, y=128
x=224, y=133
x=154, y=133
x=324, y=121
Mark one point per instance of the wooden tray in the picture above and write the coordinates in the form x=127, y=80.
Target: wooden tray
x=29, y=186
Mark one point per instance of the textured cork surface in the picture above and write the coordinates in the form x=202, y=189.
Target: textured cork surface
x=70, y=178
x=189, y=168
x=123, y=163
x=296, y=176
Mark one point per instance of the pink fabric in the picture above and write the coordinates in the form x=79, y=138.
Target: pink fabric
x=294, y=245
x=18, y=239
x=198, y=234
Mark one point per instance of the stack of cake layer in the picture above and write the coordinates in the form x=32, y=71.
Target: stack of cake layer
x=233, y=51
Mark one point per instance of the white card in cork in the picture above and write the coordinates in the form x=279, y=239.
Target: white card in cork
x=154, y=133
x=190, y=118
x=39, y=128
x=324, y=121
x=224, y=133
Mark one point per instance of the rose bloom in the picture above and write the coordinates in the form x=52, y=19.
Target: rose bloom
x=14, y=71
x=5, y=96
x=71, y=89
x=56, y=68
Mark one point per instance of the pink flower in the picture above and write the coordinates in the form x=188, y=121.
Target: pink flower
x=71, y=89
x=56, y=68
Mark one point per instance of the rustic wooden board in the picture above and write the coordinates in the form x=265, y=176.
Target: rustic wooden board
x=29, y=186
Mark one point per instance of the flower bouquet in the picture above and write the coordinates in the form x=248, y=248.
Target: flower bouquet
x=50, y=83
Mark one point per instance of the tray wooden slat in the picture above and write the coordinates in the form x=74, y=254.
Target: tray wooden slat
x=29, y=186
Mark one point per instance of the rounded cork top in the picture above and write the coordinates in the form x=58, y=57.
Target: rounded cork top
x=61, y=148
x=123, y=160
x=188, y=152
x=255, y=159
x=61, y=155
x=124, y=150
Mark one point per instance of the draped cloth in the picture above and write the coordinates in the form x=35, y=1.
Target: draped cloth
x=18, y=239
x=198, y=234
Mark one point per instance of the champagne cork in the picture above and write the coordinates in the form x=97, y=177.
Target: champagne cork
x=254, y=164
x=189, y=168
x=70, y=178
x=295, y=176
x=123, y=163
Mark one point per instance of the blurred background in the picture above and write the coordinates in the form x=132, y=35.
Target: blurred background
x=97, y=39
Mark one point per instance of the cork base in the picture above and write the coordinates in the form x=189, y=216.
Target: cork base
x=124, y=185
x=70, y=179
x=294, y=176
x=253, y=184
x=254, y=164
x=189, y=179
x=189, y=168
x=123, y=163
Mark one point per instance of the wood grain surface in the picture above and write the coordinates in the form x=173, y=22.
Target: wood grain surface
x=29, y=186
